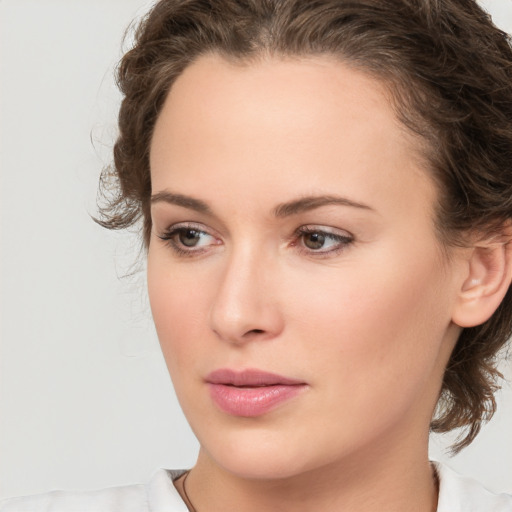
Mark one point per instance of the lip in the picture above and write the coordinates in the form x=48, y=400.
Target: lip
x=250, y=393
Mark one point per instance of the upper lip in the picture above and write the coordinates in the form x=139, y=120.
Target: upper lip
x=249, y=378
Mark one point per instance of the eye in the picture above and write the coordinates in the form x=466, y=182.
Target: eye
x=314, y=240
x=323, y=241
x=188, y=239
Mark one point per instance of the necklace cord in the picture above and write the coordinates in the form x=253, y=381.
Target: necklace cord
x=191, y=507
x=189, y=504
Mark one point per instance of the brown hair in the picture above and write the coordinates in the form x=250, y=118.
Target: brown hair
x=449, y=70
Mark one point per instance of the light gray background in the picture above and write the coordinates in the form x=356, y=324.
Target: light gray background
x=85, y=398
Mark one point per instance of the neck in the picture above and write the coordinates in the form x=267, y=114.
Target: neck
x=369, y=482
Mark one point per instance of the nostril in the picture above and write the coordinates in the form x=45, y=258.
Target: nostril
x=255, y=331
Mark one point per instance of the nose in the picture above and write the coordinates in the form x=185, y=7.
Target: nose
x=245, y=307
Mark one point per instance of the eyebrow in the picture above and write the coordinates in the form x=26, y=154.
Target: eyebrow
x=282, y=210
x=181, y=200
x=307, y=203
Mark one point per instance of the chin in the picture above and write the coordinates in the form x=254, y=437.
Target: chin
x=253, y=453
x=257, y=464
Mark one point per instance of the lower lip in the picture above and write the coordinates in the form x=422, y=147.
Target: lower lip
x=249, y=402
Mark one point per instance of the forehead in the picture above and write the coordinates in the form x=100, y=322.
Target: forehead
x=277, y=96
x=300, y=124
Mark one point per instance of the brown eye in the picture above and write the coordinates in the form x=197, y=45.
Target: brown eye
x=189, y=237
x=189, y=240
x=322, y=242
x=314, y=240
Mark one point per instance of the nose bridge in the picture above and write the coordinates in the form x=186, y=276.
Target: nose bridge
x=244, y=305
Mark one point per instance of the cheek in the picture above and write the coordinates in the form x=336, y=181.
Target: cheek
x=376, y=322
x=178, y=306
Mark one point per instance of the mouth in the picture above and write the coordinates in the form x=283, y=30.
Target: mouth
x=251, y=393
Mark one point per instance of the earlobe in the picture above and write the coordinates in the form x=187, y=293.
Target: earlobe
x=488, y=277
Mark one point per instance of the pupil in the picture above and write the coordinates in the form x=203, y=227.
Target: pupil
x=189, y=237
x=314, y=240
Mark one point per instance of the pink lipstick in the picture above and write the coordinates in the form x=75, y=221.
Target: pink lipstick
x=250, y=393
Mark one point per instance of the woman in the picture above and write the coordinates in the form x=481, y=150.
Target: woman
x=326, y=206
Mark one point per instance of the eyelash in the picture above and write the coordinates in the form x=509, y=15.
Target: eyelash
x=169, y=235
x=343, y=241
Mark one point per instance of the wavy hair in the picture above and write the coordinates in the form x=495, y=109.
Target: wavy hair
x=449, y=71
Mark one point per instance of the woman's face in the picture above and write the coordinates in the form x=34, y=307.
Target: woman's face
x=300, y=295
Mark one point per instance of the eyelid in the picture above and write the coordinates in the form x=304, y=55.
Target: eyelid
x=319, y=228
x=344, y=238
x=171, y=231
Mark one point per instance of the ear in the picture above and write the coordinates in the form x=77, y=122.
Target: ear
x=485, y=283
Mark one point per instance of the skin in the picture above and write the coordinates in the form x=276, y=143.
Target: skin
x=366, y=321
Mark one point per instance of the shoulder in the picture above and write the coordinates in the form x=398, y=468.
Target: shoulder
x=158, y=495
x=458, y=493
x=129, y=498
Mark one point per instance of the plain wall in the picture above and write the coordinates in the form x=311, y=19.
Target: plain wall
x=85, y=398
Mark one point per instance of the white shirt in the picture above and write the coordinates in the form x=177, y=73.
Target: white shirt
x=456, y=494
